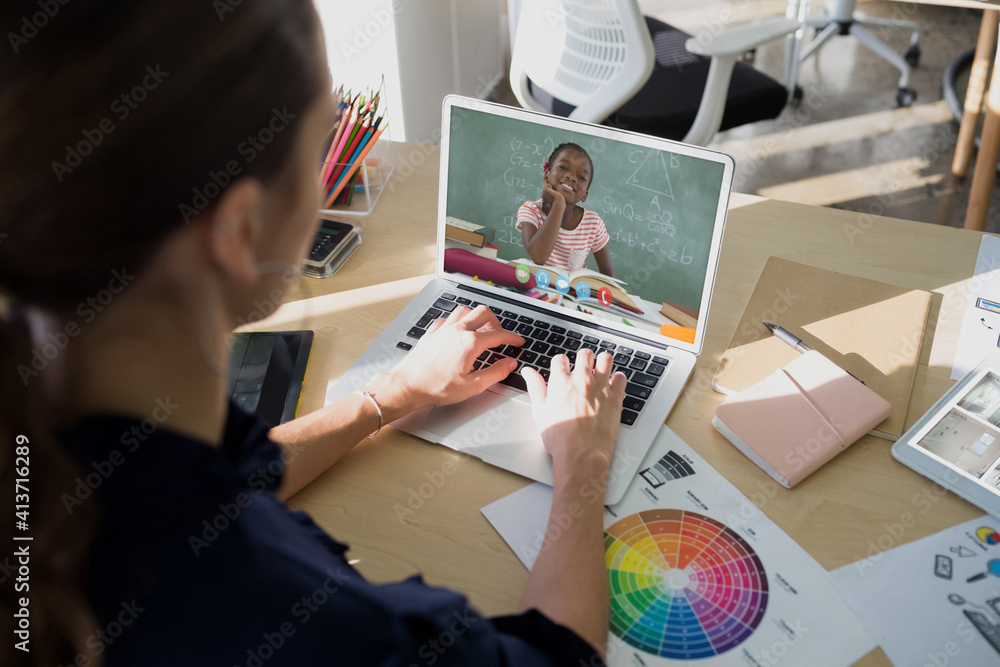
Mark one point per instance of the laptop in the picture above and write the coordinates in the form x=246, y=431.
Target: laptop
x=663, y=205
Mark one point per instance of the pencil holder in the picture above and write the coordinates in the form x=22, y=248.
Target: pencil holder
x=354, y=188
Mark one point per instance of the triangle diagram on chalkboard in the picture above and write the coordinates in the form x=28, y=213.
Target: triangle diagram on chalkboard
x=652, y=175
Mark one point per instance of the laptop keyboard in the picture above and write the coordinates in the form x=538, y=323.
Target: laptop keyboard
x=542, y=341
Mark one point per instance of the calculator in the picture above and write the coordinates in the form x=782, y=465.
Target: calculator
x=334, y=242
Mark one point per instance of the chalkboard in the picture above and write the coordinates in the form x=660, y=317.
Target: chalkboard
x=659, y=207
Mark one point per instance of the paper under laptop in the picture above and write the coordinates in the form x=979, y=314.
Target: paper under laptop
x=663, y=205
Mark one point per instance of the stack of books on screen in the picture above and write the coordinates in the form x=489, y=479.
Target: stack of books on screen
x=467, y=232
x=360, y=123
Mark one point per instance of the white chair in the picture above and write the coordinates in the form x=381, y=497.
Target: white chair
x=603, y=61
x=840, y=17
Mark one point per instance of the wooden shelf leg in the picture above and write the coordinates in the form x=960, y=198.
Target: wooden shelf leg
x=974, y=94
x=985, y=174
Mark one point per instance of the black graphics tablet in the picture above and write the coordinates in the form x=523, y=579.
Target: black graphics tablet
x=266, y=372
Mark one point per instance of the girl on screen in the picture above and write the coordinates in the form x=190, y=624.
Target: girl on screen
x=555, y=229
x=130, y=248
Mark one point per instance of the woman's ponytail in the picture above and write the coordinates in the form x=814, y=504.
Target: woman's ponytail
x=45, y=562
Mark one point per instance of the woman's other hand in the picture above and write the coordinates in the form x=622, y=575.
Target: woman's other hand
x=439, y=368
x=578, y=412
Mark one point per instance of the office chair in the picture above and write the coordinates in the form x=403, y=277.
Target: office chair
x=840, y=18
x=602, y=61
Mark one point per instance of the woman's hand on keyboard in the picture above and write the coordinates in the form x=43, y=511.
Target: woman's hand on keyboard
x=439, y=369
x=578, y=412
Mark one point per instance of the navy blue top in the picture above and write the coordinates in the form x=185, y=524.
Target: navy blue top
x=197, y=563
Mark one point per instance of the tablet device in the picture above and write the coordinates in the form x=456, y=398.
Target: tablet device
x=957, y=442
x=266, y=372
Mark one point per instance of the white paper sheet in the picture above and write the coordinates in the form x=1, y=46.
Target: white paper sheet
x=980, y=334
x=701, y=575
x=919, y=600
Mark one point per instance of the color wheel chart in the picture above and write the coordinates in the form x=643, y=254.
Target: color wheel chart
x=683, y=585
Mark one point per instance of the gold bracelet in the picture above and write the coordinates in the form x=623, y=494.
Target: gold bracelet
x=378, y=409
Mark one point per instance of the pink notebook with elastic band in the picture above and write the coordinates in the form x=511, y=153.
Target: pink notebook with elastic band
x=800, y=417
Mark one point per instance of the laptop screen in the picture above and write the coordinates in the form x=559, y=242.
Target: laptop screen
x=632, y=245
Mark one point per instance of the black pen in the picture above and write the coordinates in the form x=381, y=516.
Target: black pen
x=787, y=337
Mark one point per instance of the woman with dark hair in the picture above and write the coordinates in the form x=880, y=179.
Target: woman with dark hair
x=156, y=159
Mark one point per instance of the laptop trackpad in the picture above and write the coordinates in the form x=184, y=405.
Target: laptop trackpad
x=490, y=425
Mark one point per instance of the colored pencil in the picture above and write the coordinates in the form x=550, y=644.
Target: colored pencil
x=343, y=150
x=341, y=124
x=351, y=127
x=359, y=145
x=344, y=161
x=354, y=167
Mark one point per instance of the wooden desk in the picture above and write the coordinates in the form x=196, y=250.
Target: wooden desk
x=839, y=515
